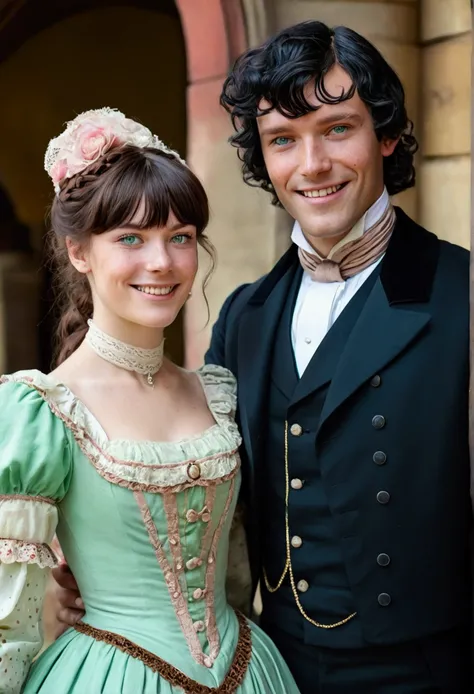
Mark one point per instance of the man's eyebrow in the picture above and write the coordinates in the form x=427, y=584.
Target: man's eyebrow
x=339, y=116
x=325, y=120
x=275, y=130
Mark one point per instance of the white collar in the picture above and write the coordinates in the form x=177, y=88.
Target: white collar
x=370, y=218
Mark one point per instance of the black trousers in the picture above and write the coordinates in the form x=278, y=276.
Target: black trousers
x=439, y=664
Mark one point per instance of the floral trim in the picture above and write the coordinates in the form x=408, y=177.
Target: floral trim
x=148, y=477
x=230, y=684
x=16, y=551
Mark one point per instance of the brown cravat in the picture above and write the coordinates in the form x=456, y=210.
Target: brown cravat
x=354, y=256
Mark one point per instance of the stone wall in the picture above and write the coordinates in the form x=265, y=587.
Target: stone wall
x=445, y=170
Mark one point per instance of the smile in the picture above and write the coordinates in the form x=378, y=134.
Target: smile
x=322, y=192
x=155, y=291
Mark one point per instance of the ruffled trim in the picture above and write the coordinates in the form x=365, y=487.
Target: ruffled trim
x=16, y=551
x=220, y=387
x=148, y=466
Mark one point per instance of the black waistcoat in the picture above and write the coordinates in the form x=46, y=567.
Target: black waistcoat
x=318, y=563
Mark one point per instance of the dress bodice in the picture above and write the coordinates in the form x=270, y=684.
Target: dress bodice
x=144, y=526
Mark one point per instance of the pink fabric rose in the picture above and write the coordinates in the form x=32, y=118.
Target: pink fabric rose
x=90, y=135
x=93, y=141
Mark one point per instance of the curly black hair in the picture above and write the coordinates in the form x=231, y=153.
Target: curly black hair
x=279, y=70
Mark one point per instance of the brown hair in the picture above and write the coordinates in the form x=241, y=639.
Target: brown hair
x=107, y=195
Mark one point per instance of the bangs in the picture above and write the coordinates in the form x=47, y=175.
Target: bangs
x=152, y=185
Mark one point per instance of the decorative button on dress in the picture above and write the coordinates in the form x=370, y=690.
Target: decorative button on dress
x=145, y=528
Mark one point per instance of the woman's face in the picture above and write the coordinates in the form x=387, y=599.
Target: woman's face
x=139, y=277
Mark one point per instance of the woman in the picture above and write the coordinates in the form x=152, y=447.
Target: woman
x=134, y=460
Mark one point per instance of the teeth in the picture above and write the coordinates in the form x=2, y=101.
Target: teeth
x=156, y=291
x=322, y=192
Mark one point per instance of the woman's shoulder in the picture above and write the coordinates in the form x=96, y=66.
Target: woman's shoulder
x=35, y=455
x=30, y=389
x=23, y=388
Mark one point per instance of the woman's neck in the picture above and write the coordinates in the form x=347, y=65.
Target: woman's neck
x=132, y=334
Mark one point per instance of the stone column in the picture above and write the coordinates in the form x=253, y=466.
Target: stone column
x=392, y=26
x=446, y=106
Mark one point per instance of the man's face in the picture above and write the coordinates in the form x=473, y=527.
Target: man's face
x=327, y=166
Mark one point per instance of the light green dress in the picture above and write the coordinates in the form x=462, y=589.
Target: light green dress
x=144, y=527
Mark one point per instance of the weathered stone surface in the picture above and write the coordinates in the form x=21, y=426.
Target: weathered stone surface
x=371, y=19
x=441, y=18
x=242, y=225
x=445, y=188
x=446, y=90
x=408, y=201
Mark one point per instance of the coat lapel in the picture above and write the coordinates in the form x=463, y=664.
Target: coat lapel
x=256, y=335
x=284, y=373
x=325, y=361
x=393, y=316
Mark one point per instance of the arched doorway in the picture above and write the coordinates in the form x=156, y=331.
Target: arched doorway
x=148, y=58
x=129, y=57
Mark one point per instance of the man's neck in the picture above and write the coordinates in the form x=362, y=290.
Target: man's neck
x=327, y=246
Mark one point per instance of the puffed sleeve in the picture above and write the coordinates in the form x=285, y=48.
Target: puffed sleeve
x=35, y=469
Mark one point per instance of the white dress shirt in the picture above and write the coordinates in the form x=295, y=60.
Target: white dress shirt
x=319, y=304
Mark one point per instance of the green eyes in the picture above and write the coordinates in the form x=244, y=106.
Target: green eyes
x=130, y=240
x=336, y=130
x=339, y=129
x=180, y=239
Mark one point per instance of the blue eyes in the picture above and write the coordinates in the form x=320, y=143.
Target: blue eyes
x=281, y=141
x=339, y=129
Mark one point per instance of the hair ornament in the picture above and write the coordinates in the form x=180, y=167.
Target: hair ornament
x=89, y=136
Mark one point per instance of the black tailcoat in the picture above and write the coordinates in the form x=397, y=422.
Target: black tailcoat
x=406, y=438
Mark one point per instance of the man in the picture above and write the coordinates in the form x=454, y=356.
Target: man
x=351, y=357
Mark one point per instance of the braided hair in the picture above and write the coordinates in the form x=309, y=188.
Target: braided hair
x=104, y=196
